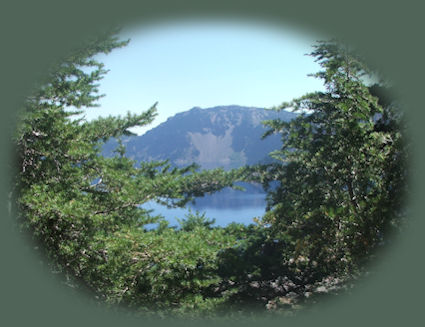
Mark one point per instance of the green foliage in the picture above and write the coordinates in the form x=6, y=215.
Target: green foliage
x=170, y=271
x=84, y=209
x=334, y=196
x=342, y=176
x=194, y=220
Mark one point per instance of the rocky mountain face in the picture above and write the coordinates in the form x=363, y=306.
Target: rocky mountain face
x=224, y=136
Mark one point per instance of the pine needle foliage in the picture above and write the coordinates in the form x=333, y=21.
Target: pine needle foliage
x=84, y=210
x=341, y=174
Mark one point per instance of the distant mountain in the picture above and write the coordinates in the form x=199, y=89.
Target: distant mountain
x=224, y=136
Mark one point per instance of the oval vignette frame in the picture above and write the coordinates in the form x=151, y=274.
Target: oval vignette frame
x=41, y=32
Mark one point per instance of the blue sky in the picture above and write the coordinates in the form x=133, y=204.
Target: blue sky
x=205, y=64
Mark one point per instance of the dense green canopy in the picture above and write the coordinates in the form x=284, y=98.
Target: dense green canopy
x=334, y=196
x=84, y=209
x=342, y=177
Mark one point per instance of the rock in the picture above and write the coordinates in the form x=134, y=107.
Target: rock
x=285, y=300
x=292, y=295
x=321, y=289
x=271, y=305
x=308, y=294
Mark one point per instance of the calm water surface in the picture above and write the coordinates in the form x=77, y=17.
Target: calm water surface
x=225, y=207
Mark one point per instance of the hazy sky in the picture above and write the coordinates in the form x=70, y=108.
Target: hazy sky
x=208, y=64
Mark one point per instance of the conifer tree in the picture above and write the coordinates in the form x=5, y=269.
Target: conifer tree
x=73, y=201
x=342, y=169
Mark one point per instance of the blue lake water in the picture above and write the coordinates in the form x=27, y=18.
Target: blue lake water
x=225, y=207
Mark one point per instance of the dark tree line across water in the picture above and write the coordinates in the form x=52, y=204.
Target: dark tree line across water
x=339, y=185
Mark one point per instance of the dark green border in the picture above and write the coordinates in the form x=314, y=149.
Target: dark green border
x=33, y=33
